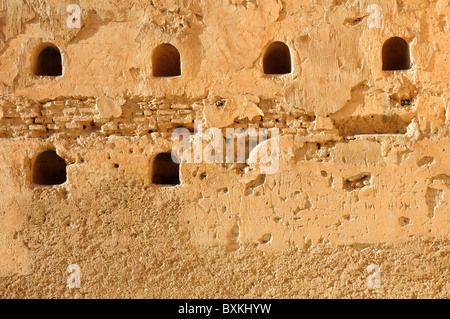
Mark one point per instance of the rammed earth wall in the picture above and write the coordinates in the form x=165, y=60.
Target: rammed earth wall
x=363, y=178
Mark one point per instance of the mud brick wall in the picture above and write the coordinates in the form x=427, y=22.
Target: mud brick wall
x=364, y=170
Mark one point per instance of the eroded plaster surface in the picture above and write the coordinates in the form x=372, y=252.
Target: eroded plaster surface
x=363, y=178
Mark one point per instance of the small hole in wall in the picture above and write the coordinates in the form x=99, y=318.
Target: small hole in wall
x=404, y=221
x=164, y=170
x=405, y=102
x=203, y=176
x=166, y=61
x=265, y=239
x=116, y=165
x=221, y=102
x=64, y=193
x=223, y=190
x=46, y=60
x=49, y=169
x=396, y=55
x=277, y=59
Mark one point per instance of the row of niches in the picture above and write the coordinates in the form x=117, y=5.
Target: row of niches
x=166, y=62
x=50, y=169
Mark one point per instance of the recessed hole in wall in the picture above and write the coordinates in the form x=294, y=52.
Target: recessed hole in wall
x=166, y=61
x=353, y=21
x=203, y=176
x=252, y=186
x=164, y=170
x=405, y=102
x=357, y=182
x=46, y=60
x=374, y=124
x=404, y=221
x=49, y=169
x=223, y=190
x=425, y=160
x=265, y=239
x=116, y=165
x=277, y=59
x=64, y=193
x=323, y=173
x=396, y=55
x=221, y=102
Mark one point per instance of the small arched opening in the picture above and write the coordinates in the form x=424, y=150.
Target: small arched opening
x=396, y=55
x=46, y=60
x=277, y=59
x=166, y=61
x=49, y=169
x=164, y=170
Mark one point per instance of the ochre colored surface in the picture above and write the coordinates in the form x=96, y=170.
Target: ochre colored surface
x=364, y=174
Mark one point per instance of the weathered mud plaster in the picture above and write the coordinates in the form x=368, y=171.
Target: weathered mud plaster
x=363, y=178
